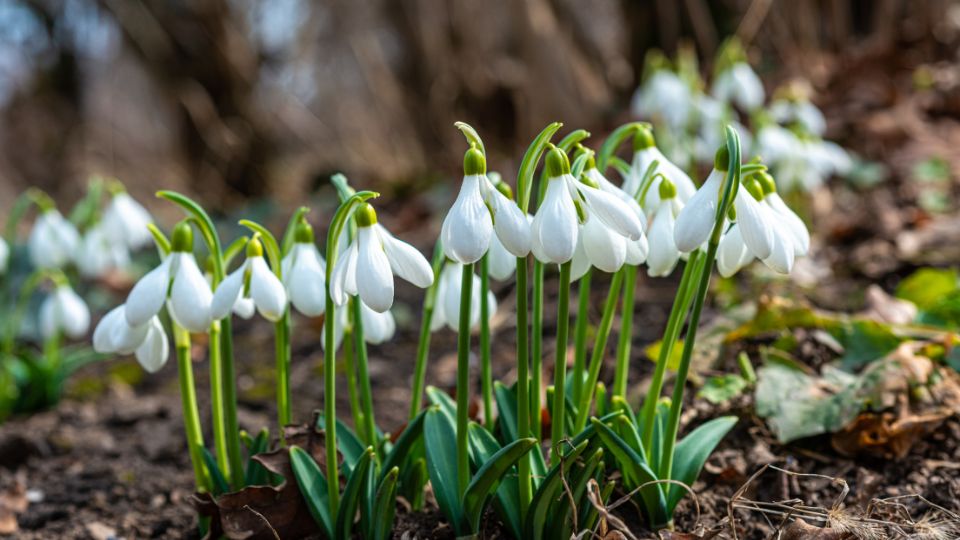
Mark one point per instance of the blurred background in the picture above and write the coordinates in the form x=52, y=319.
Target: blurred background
x=235, y=99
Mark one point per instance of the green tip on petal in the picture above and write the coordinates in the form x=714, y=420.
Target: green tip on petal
x=366, y=215
x=255, y=246
x=474, y=162
x=504, y=189
x=766, y=182
x=752, y=186
x=182, y=238
x=721, y=160
x=643, y=139
x=557, y=163
x=303, y=233
x=667, y=189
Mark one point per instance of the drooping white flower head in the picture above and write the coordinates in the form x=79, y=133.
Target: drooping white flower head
x=96, y=254
x=148, y=342
x=446, y=311
x=740, y=85
x=253, y=280
x=4, y=256
x=663, y=255
x=368, y=265
x=178, y=278
x=645, y=153
x=378, y=328
x=664, y=97
x=480, y=213
x=125, y=221
x=304, y=274
x=53, y=240
x=556, y=227
x=799, y=110
x=64, y=312
x=696, y=220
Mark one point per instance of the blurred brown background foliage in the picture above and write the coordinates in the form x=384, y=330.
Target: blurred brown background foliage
x=229, y=99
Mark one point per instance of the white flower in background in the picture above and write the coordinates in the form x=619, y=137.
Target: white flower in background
x=53, y=240
x=378, y=328
x=664, y=255
x=147, y=342
x=179, y=278
x=64, y=311
x=370, y=262
x=304, y=274
x=479, y=212
x=446, y=311
x=4, y=256
x=253, y=280
x=740, y=85
x=664, y=97
x=125, y=221
x=97, y=254
x=799, y=111
x=556, y=226
x=645, y=152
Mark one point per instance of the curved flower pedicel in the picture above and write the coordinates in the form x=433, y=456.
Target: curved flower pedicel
x=305, y=273
x=645, y=153
x=252, y=280
x=481, y=212
x=64, y=312
x=147, y=342
x=367, y=267
x=447, y=309
x=179, y=279
x=555, y=229
x=53, y=240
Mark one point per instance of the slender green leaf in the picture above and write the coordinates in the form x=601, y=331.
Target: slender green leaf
x=692, y=452
x=351, y=495
x=486, y=479
x=255, y=473
x=400, y=452
x=385, y=505
x=348, y=443
x=446, y=403
x=507, y=498
x=636, y=473
x=559, y=517
x=220, y=485
x=313, y=487
x=507, y=407
x=440, y=439
x=536, y=522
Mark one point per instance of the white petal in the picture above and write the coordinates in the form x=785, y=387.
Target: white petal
x=466, y=230
x=756, y=231
x=732, y=253
x=438, y=319
x=343, y=280
x=509, y=222
x=405, y=261
x=305, y=281
x=605, y=249
x=190, y=296
x=124, y=339
x=4, y=256
x=663, y=254
x=554, y=228
x=637, y=251
x=377, y=327
x=784, y=253
x=227, y=294
x=612, y=211
x=244, y=307
x=155, y=350
x=501, y=262
x=374, y=278
x=451, y=294
x=796, y=226
x=696, y=220
x=340, y=323
x=580, y=263
x=74, y=315
x=102, y=342
x=266, y=290
x=147, y=297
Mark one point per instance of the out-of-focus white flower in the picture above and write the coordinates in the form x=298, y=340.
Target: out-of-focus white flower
x=664, y=97
x=253, y=280
x=645, y=152
x=664, y=254
x=97, y=253
x=179, y=278
x=53, y=240
x=378, y=328
x=556, y=226
x=304, y=274
x=64, y=311
x=147, y=342
x=370, y=262
x=800, y=111
x=4, y=256
x=481, y=212
x=125, y=221
x=740, y=85
x=446, y=311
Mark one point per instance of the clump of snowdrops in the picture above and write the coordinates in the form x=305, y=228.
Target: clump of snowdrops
x=41, y=310
x=571, y=223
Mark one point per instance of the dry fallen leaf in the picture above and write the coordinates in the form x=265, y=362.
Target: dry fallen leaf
x=13, y=501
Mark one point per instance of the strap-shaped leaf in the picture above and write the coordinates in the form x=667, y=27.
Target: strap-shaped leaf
x=400, y=452
x=348, y=443
x=440, y=439
x=220, y=485
x=313, y=487
x=535, y=525
x=255, y=473
x=351, y=495
x=446, y=403
x=385, y=506
x=636, y=473
x=506, y=501
x=628, y=432
x=488, y=477
x=559, y=518
x=692, y=452
x=507, y=407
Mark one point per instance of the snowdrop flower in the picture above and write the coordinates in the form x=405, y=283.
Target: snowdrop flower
x=125, y=221
x=636, y=249
x=53, y=240
x=64, y=311
x=147, y=342
x=782, y=212
x=502, y=263
x=446, y=311
x=664, y=255
x=645, y=152
x=243, y=307
x=556, y=226
x=4, y=256
x=378, y=328
x=664, y=97
x=370, y=262
x=178, y=278
x=253, y=280
x=479, y=212
x=304, y=273
x=740, y=85
x=799, y=111
x=96, y=254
